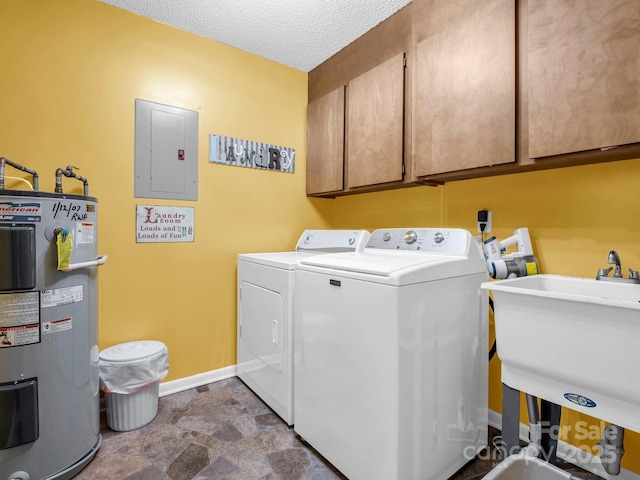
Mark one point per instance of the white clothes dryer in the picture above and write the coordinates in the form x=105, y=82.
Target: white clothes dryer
x=265, y=313
x=391, y=360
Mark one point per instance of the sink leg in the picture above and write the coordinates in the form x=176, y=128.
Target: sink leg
x=510, y=420
x=550, y=415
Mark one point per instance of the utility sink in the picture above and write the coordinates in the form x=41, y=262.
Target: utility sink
x=573, y=341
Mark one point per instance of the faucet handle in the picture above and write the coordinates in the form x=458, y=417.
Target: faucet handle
x=604, y=272
x=634, y=274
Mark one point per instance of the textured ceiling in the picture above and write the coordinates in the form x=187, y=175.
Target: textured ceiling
x=298, y=33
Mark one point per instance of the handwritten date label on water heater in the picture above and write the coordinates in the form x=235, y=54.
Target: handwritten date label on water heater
x=69, y=210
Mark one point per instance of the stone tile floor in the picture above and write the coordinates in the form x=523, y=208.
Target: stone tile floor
x=223, y=431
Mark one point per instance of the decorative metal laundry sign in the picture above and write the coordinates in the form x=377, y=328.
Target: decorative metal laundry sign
x=247, y=153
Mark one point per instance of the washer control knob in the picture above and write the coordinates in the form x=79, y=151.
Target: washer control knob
x=307, y=238
x=352, y=241
x=410, y=237
x=386, y=236
x=438, y=237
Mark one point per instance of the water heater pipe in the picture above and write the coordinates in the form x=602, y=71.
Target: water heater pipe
x=5, y=161
x=68, y=172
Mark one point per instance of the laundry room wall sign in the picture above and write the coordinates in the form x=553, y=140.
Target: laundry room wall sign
x=160, y=224
x=250, y=154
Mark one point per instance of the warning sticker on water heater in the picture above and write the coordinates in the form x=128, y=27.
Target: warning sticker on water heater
x=18, y=309
x=85, y=232
x=19, y=319
x=17, y=336
x=55, y=326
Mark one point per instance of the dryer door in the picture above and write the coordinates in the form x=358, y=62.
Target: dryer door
x=261, y=320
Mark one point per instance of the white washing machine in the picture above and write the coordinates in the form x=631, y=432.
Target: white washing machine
x=265, y=313
x=391, y=360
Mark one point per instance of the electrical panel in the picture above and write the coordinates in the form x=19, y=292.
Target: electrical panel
x=166, y=152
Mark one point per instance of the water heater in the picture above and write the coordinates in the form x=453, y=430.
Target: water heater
x=49, y=401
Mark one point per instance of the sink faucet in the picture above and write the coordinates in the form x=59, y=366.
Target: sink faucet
x=614, y=259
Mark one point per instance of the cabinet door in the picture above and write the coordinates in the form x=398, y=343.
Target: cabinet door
x=325, y=143
x=464, y=85
x=375, y=125
x=583, y=75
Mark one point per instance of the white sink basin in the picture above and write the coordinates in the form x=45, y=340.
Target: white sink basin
x=573, y=341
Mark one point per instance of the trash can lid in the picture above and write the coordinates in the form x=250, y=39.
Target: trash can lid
x=126, y=352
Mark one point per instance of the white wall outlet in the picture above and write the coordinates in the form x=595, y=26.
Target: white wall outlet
x=484, y=221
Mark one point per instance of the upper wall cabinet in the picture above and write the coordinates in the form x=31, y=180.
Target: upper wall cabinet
x=376, y=115
x=375, y=119
x=464, y=85
x=325, y=143
x=583, y=75
x=488, y=87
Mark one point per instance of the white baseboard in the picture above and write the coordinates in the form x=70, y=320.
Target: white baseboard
x=569, y=453
x=181, y=384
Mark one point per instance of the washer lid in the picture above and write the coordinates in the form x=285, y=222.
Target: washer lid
x=127, y=352
x=374, y=263
x=393, y=268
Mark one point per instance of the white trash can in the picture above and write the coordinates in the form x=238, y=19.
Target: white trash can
x=129, y=376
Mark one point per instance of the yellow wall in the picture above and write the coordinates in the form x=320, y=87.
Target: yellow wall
x=71, y=72
x=574, y=215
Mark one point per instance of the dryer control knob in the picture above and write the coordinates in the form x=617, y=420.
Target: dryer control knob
x=386, y=236
x=438, y=237
x=410, y=237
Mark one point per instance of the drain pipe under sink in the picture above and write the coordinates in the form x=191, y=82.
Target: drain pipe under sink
x=611, y=450
x=534, y=449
